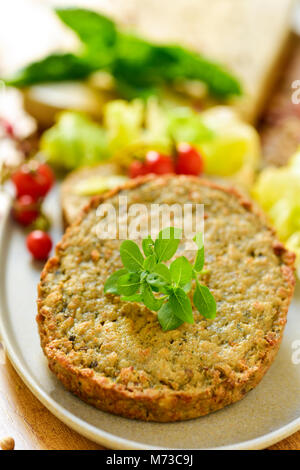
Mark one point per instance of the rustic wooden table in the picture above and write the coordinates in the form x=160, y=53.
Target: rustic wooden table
x=32, y=426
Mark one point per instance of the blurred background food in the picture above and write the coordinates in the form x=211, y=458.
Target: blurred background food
x=232, y=33
x=280, y=124
x=130, y=87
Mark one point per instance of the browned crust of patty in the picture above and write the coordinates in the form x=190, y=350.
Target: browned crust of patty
x=150, y=404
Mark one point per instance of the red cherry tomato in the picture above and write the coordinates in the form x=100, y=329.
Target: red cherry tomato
x=46, y=174
x=25, y=210
x=39, y=244
x=33, y=179
x=158, y=163
x=189, y=160
x=137, y=168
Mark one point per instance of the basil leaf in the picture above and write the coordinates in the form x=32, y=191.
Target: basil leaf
x=94, y=29
x=160, y=278
x=138, y=66
x=110, y=286
x=163, y=271
x=150, y=263
x=156, y=282
x=181, y=305
x=128, y=284
x=186, y=64
x=147, y=245
x=198, y=239
x=144, y=274
x=167, y=319
x=131, y=256
x=187, y=287
x=144, y=64
x=54, y=68
x=170, y=233
x=133, y=60
x=166, y=244
x=181, y=271
x=199, y=261
x=204, y=301
x=148, y=298
x=129, y=91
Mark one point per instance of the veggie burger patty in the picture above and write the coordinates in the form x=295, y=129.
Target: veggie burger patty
x=114, y=355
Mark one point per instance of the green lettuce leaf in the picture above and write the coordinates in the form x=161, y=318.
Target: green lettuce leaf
x=123, y=122
x=74, y=141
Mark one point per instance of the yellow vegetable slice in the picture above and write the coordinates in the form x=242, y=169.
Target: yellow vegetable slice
x=98, y=184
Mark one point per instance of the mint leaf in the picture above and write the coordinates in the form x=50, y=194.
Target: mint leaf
x=181, y=271
x=167, y=319
x=110, y=286
x=147, y=246
x=131, y=256
x=166, y=244
x=149, y=300
x=204, y=301
x=128, y=284
x=181, y=305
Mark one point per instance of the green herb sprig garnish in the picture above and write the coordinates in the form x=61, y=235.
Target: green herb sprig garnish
x=148, y=280
x=138, y=66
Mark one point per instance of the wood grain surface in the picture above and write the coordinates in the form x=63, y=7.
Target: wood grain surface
x=32, y=426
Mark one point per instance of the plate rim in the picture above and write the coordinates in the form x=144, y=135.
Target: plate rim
x=87, y=430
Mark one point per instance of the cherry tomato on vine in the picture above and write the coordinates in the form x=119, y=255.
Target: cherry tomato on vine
x=25, y=210
x=39, y=244
x=33, y=179
x=158, y=163
x=137, y=168
x=189, y=160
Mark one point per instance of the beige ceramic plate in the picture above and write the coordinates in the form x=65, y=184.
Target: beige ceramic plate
x=266, y=415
